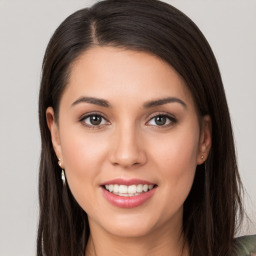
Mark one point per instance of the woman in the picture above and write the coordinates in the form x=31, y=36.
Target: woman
x=137, y=149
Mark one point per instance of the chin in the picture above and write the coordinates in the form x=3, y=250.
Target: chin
x=129, y=225
x=130, y=231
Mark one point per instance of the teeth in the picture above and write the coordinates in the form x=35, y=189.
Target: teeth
x=123, y=189
x=132, y=190
x=145, y=188
x=110, y=188
x=139, y=188
x=116, y=188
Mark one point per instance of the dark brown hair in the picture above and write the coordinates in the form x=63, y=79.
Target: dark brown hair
x=213, y=207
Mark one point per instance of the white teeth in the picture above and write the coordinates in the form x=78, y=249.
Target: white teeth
x=132, y=190
x=145, y=188
x=116, y=188
x=139, y=188
x=110, y=188
x=120, y=194
x=123, y=189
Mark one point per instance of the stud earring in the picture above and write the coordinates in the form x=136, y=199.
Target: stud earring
x=202, y=156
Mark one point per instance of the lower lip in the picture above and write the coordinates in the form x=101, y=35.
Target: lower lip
x=128, y=201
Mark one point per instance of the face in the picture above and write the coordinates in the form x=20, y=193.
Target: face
x=129, y=138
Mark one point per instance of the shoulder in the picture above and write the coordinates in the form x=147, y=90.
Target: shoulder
x=245, y=246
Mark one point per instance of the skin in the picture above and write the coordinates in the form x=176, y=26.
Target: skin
x=129, y=143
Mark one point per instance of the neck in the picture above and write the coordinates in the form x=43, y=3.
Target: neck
x=164, y=242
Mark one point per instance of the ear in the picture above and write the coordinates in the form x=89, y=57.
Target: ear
x=54, y=130
x=205, y=141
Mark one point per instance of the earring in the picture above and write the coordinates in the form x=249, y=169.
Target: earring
x=202, y=156
x=63, y=177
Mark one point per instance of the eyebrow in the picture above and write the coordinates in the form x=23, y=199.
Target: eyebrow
x=91, y=100
x=163, y=101
x=148, y=104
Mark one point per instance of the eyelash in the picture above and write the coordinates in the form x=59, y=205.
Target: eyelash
x=91, y=126
x=172, y=120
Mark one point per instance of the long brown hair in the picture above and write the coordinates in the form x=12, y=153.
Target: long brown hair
x=213, y=207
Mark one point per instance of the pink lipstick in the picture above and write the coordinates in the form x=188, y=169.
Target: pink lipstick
x=128, y=193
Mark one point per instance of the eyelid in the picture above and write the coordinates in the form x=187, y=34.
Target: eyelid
x=87, y=115
x=171, y=117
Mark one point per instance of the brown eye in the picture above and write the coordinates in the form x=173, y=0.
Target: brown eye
x=94, y=120
x=162, y=120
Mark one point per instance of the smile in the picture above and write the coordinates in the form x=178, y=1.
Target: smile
x=132, y=190
x=128, y=193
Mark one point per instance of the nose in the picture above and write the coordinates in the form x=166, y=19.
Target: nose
x=127, y=148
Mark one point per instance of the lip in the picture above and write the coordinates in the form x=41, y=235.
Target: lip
x=127, y=182
x=128, y=201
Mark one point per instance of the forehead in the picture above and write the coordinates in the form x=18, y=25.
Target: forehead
x=114, y=73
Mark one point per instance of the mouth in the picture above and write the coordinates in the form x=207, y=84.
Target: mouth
x=128, y=191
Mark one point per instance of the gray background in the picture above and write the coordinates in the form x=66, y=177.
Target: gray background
x=25, y=29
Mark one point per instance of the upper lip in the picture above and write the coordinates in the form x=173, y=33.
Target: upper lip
x=127, y=182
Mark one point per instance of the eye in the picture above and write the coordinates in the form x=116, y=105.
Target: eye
x=162, y=120
x=94, y=120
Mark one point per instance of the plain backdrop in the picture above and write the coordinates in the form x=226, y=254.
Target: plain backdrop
x=25, y=29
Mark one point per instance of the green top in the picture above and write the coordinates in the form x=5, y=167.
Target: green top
x=245, y=246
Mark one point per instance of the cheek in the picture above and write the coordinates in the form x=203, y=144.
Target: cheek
x=176, y=158
x=83, y=155
x=81, y=151
x=177, y=150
